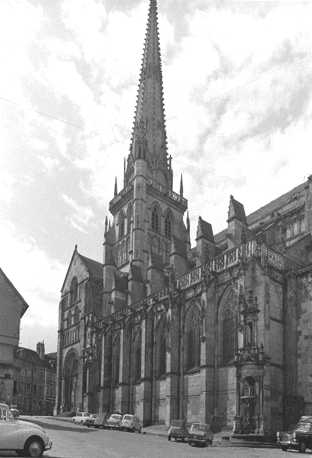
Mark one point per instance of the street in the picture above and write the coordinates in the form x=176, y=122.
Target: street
x=72, y=441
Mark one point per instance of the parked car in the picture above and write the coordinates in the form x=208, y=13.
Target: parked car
x=89, y=421
x=130, y=423
x=80, y=417
x=178, y=430
x=14, y=412
x=25, y=438
x=298, y=438
x=100, y=421
x=113, y=421
x=200, y=434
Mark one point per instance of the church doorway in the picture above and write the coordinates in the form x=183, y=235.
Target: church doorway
x=248, y=401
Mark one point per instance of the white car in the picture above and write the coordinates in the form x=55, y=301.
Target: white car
x=81, y=417
x=25, y=438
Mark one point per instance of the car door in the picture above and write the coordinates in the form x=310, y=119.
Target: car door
x=8, y=433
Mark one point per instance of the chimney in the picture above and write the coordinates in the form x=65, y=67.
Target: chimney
x=40, y=350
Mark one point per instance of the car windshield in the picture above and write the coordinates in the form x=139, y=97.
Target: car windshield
x=128, y=417
x=199, y=427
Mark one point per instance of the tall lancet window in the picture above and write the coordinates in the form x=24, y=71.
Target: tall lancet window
x=168, y=225
x=129, y=216
x=121, y=225
x=155, y=219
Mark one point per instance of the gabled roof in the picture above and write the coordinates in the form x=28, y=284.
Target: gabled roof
x=94, y=268
x=15, y=291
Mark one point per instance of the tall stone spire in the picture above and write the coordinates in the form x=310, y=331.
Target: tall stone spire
x=149, y=139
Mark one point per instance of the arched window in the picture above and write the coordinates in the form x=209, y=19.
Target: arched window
x=136, y=369
x=74, y=290
x=155, y=219
x=168, y=226
x=129, y=216
x=192, y=339
x=161, y=353
x=77, y=313
x=121, y=225
x=228, y=337
x=115, y=359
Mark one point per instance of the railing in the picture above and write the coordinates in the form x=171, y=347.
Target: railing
x=232, y=258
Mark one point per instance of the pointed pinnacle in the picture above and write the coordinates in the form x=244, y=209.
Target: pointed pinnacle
x=115, y=187
x=181, y=186
x=188, y=222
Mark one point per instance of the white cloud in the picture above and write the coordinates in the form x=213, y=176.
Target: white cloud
x=38, y=278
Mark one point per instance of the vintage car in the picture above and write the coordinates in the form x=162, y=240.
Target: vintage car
x=130, y=423
x=298, y=438
x=177, y=430
x=80, y=417
x=113, y=421
x=25, y=438
x=200, y=434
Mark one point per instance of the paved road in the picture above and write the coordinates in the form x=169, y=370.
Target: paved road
x=72, y=441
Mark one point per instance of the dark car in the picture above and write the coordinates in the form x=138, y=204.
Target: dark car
x=200, y=434
x=113, y=421
x=100, y=421
x=90, y=420
x=298, y=438
x=177, y=430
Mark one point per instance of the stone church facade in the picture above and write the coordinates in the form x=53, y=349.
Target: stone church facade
x=219, y=332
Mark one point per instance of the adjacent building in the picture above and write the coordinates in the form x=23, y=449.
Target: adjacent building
x=219, y=332
x=34, y=381
x=12, y=308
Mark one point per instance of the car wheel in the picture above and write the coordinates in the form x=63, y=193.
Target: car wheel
x=284, y=449
x=34, y=447
x=302, y=447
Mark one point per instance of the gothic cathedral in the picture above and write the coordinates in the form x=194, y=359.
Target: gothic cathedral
x=219, y=332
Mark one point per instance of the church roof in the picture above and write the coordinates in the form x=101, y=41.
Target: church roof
x=283, y=203
x=149, y=122
x=95, y=268
x=15, y=292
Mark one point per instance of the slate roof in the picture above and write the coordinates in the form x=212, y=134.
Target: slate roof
x=95, y=268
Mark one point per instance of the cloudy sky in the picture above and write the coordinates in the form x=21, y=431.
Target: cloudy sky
x=237, y=80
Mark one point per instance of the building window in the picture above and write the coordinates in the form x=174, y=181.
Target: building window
x=161, y=353
x=121, y=225
x=74, y=290
x=192, y=339
x=228, y=337
x=116, y=359
x=168, y=228
x=129, y=216
x=137, y=356
x=155, y=220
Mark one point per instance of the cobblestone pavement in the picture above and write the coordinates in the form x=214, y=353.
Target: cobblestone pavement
x=72, y=441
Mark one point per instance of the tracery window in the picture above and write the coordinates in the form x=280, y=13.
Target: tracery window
x=228, y=337
x=74, y=290
x=129, y=216
x=121, y=225
x=168, y=226
x=115, y=359
x=161, y=353
x=155, y=219
x=192, y=339
x=137, y=356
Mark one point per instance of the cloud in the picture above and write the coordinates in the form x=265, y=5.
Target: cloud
x=38, y=279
